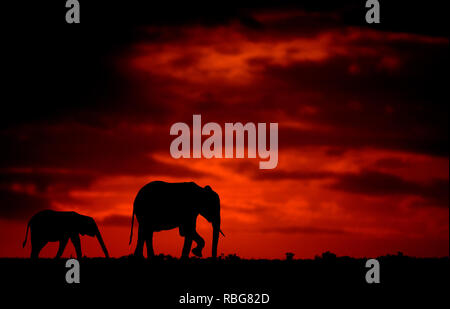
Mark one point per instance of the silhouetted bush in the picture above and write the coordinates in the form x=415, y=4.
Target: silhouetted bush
x=328, y=256
x=289, y=256
x=232, y=257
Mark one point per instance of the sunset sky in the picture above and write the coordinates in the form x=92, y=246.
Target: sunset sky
x=363, y=166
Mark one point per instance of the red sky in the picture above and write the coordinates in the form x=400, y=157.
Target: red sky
x=363, y=134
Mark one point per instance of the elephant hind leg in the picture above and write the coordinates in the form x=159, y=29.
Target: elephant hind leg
x=76, y=243
x=139, y=252
x=149, y=243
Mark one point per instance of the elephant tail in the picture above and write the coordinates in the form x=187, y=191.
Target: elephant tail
x=132, y=223
x=26, y=236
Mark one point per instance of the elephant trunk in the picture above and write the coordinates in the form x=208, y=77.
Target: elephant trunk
x=102, y=244
x=215, y=238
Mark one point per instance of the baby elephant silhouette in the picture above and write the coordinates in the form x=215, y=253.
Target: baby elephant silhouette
x=49, y=225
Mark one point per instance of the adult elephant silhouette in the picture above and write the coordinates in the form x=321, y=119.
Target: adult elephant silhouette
x=163, y=206
x=49, y=225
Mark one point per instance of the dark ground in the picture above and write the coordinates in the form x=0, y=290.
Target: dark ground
x=326, y=280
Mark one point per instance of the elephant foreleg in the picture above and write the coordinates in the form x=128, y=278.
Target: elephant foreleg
x=149, y=244
x=36, y=247
x=200, y=244
x=139, y=252
x=187, y=246
x=62, y=246
x=76, y=243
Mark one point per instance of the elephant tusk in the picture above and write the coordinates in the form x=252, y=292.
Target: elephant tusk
x=222, y=233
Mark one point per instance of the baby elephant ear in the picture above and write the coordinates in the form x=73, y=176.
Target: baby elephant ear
x=208, y=188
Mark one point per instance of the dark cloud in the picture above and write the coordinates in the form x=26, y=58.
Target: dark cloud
x=402, y=110
x=303, y=230
x=90, y=150
x=25, y=191
x=369, y=182
x=251, y=169
x=42, y=179
x=116, y=220
x=259, y=210
x=294, y=175
x=20, y=205
x=359, y=138
x=391, y=163
x=373, y=183
x=435, y=194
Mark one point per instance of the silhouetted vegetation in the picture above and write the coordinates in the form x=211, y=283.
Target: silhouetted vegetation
x=289, y=256
x=394, y=268
x=164, y=278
